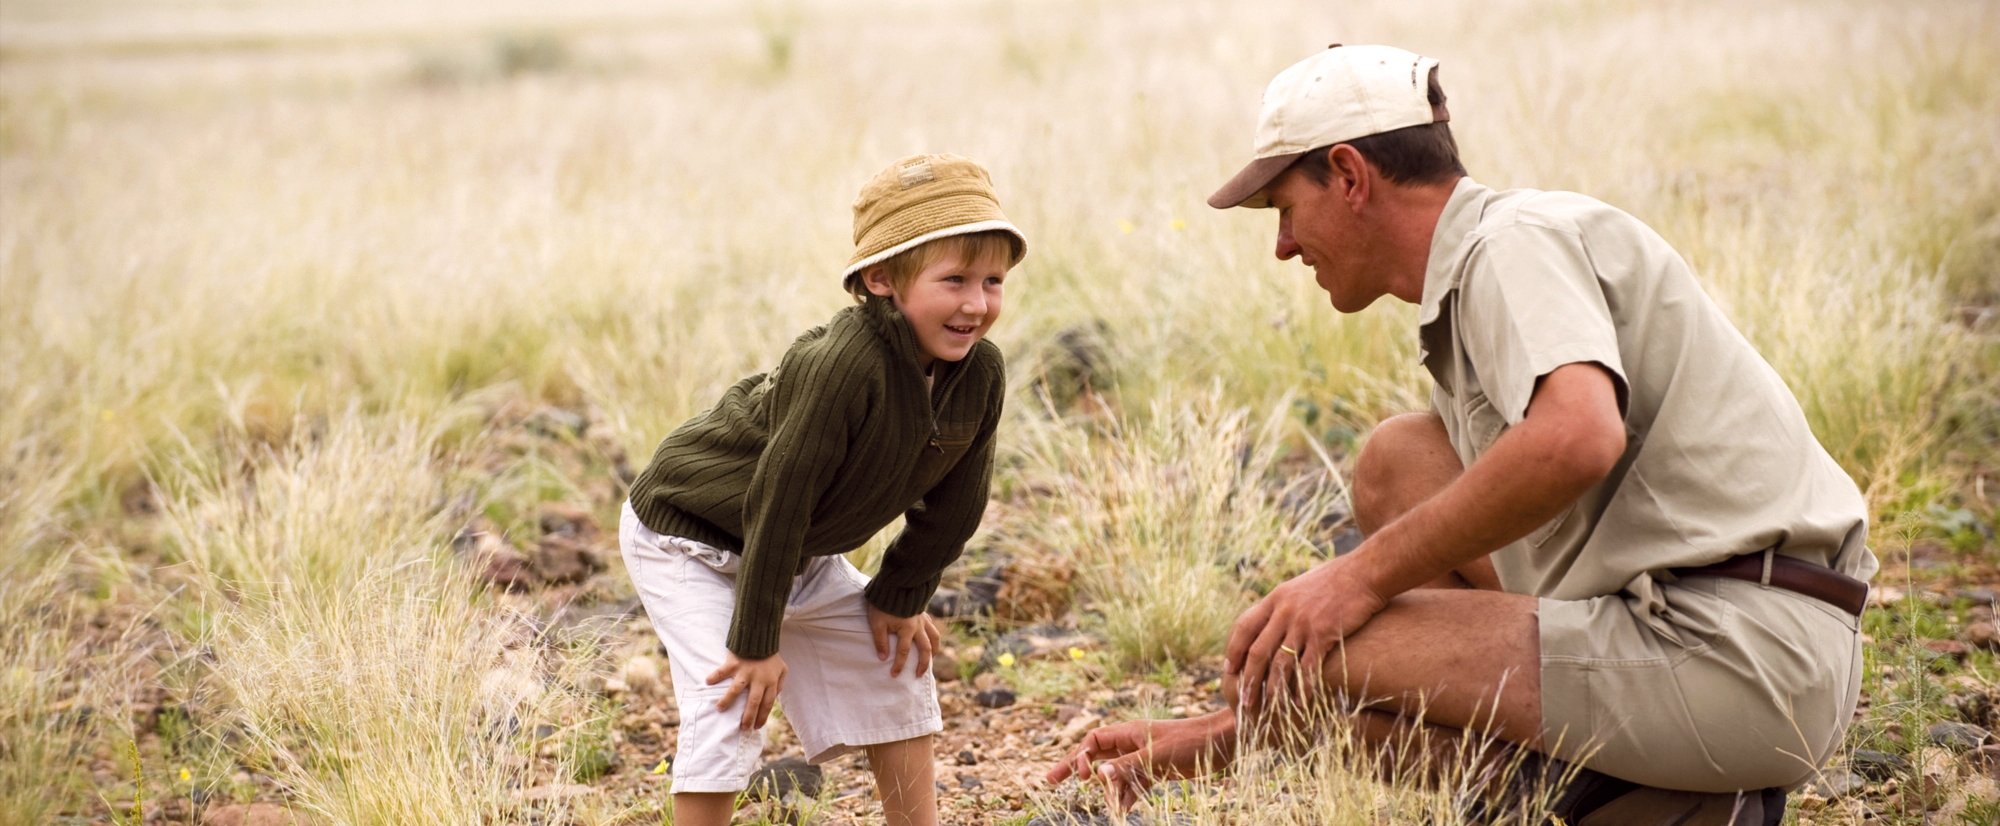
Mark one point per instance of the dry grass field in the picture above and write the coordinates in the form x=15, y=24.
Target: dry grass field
x=315, y=315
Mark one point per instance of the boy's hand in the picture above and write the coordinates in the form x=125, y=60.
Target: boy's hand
x=760, y=679
x=917, y=630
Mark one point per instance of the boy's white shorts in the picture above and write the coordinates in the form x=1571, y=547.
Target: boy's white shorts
x=837, y=695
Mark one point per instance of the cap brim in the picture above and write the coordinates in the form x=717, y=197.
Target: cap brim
x=1247, y=188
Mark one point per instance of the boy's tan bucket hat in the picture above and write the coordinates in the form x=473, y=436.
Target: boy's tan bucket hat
x=923, y=198
x=1337, y=95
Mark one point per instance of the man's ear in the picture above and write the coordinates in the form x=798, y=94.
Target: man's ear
x=1352, y=176
x=876, y=279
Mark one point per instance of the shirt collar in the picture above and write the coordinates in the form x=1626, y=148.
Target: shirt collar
x=1461, y=214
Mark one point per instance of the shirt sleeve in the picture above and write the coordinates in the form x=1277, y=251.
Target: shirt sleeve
x=1530, y=303
x=934, y=535
x=817, y=397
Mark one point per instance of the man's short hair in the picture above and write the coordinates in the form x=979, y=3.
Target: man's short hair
x=1423, y=154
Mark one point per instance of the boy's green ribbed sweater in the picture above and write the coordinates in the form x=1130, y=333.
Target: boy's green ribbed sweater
x=815, y=457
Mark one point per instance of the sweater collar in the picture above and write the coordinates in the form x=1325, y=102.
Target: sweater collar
x=893, y=328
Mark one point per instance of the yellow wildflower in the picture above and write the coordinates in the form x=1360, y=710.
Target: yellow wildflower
x=1075, y=653
x=1006, y=660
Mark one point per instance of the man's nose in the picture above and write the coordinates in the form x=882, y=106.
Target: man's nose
x=1287, y=248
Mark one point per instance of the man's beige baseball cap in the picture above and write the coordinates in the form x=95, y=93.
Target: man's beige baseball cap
x=923, y=198
x=1340, y=94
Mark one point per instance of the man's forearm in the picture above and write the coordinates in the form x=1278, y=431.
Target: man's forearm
x=1532, y=472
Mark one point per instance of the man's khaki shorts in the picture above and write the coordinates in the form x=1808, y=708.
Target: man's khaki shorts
x=1756, y=692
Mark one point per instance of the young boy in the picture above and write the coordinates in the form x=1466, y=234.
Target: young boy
x=734, y=532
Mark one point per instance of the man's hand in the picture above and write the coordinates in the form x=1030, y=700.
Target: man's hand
x=1128, y=758
x=915, y=631
x=759, y=679
x=1284, y=640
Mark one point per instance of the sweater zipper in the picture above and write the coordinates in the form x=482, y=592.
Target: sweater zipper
x=944, y=395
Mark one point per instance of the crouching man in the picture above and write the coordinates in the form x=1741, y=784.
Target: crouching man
x=1612, y=540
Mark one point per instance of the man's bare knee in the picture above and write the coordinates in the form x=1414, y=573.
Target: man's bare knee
x=1407, y=459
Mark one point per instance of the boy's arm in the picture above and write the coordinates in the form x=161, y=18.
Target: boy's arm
x=934, y=535
x=816, y=397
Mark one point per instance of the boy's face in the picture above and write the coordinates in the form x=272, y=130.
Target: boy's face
x=950, y=304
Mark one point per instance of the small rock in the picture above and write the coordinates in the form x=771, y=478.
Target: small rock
x=1838, y=784
x=782, y=778
x=1959, y=737
x=1347, y=540
x=1988, y=757
x=967, y=758
x=556, y=792
x=1033, y=642
x=1977, y=596
x=968, y=781
x=1982, y=634
x=1878, y=766
x=1085, y=819
x=562, y=559
x=995, y=698
x=252, y=814
x=1077, y=728
x=1953, y=649
x=944, y=666
x=1935, y=775
x=641, y=673
x=566, y=520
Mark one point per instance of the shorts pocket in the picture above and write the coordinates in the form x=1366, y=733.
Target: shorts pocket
x=712, y=754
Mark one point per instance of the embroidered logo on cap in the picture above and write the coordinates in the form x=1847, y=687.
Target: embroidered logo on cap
x=917, y=173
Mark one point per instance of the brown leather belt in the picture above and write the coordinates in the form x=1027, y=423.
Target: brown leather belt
x=1795, y=575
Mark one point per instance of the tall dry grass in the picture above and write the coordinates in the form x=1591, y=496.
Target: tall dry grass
x=351, y=655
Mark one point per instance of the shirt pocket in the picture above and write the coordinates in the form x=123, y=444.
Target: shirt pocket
x=942, y=452
x=1481, y=425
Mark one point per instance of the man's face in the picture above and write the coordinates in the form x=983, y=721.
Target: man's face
x=1318, y=225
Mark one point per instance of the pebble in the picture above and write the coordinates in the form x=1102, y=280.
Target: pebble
x=967, y=758
x=1988, y=757
x=1982, y=634
x=1959, y=737
x=944, y=666
x=252, y=814
x=995, y=698
x=1954, y=649
x=1839, y=784
x=781, y=778
x=969, y=781
x=557, y=792
x=1878, y=766
x=641, y=674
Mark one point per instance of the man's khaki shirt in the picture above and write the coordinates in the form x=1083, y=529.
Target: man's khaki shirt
x=1719, y=459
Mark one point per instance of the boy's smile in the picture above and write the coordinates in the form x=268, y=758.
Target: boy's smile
x=950, y=305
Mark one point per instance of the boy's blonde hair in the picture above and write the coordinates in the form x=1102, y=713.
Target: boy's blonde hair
x=970, y=248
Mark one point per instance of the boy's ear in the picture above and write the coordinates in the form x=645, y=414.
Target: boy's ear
x=876, y=279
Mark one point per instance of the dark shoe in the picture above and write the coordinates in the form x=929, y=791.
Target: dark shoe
x=1647, y=806
x=1592, y=798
